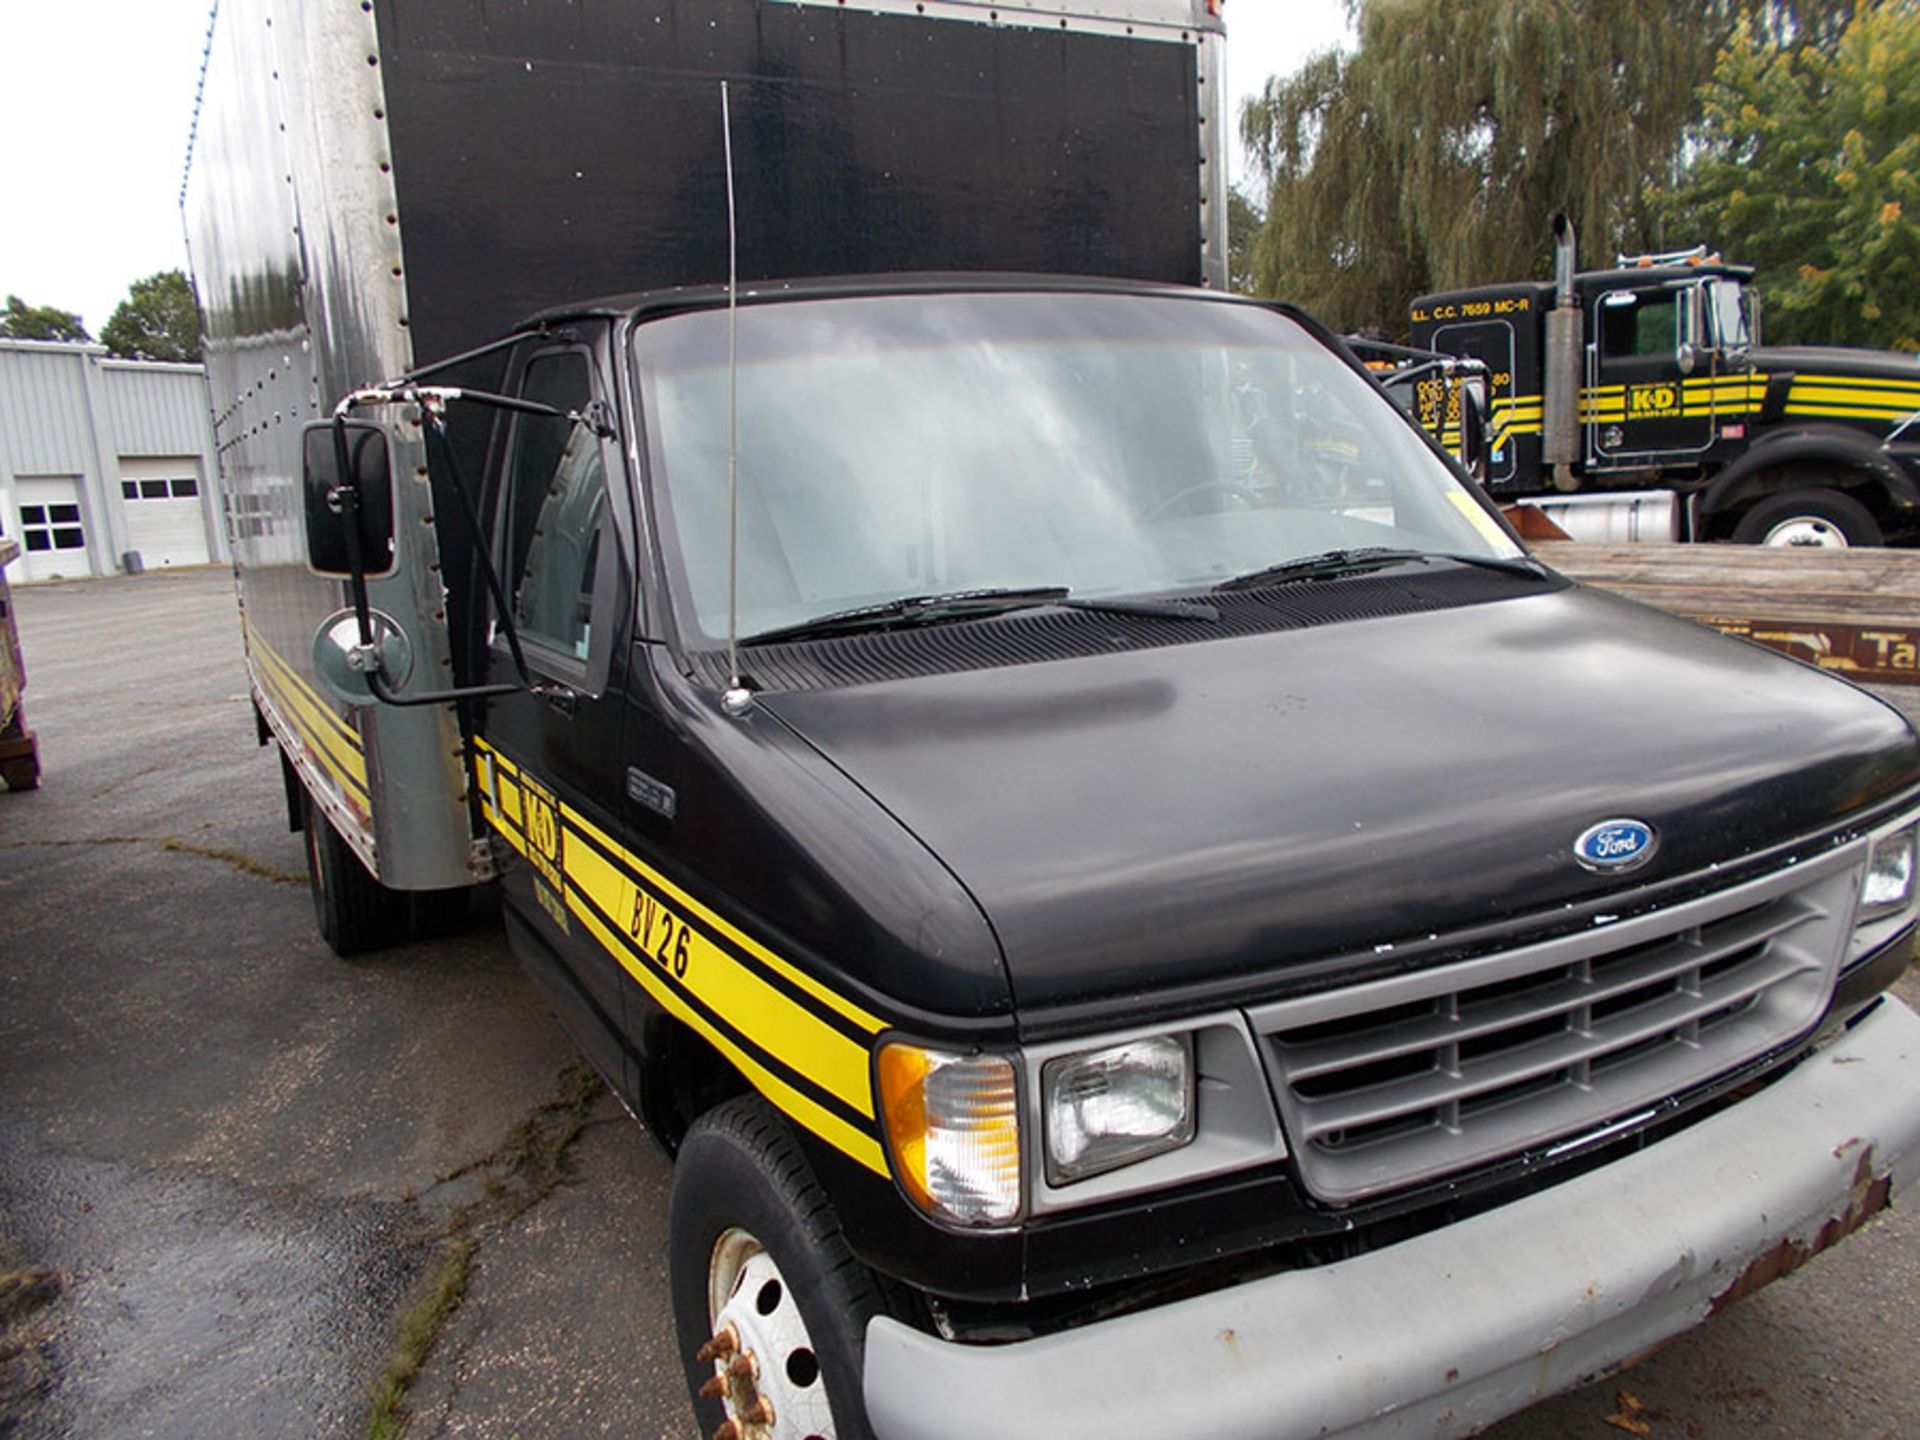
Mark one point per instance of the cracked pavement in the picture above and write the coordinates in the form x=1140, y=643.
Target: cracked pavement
x=232, y=1145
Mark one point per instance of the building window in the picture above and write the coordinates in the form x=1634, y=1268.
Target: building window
x=129, y=490
x=51, y=527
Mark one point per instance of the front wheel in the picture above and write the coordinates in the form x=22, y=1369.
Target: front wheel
x=1809, y=519
x=769, y=1305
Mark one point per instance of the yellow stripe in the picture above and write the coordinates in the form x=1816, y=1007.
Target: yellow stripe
x=664, y=886
x=284, y=708
x=1893, y=387
x=656, y=914
x=324, y=714
x=1848, y=395
x=854, y=1143
x=760, y=1011
x=510, y=799
x=1851, y=412
x=302, y=710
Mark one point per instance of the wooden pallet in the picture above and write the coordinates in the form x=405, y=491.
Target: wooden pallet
x=1854, y=611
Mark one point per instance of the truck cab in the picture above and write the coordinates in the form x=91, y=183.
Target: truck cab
x=1668, y=364
x=1040, y=883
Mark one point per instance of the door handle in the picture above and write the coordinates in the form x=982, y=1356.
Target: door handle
x=563, y=698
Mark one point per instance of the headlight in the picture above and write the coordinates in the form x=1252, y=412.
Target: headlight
x=1888, y=886
x=1108, y=1108
x=954, y=1124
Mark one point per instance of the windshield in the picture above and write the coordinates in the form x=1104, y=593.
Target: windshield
x=932, y=444
x=1729, y=309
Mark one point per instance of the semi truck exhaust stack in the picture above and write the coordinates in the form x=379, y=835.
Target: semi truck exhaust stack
x=1561, y=437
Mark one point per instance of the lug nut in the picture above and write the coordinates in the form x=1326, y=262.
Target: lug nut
x=759, y=1413
x=723, y=1344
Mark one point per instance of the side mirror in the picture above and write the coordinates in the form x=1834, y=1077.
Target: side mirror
x=358, y=495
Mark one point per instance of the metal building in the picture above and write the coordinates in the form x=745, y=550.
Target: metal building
x=105, y=465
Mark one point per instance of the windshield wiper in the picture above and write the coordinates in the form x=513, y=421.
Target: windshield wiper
x=965, y=604
x=912, y=609
x=1332, y=563
x=1150, y=609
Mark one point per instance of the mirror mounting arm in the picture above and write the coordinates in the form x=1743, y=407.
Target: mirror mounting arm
x=345, y=497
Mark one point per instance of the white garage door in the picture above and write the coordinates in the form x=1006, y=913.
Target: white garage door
x=52, y=534
x=164, y=521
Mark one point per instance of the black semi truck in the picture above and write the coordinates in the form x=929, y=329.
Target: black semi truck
x=1048, y=794
x=1638, y=402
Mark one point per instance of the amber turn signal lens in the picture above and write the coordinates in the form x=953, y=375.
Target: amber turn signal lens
x=953, y=1124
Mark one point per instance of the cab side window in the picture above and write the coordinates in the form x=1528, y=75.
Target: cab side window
x=1648, y=325
x=553, y=510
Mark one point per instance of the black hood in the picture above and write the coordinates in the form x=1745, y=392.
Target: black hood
x=1177, y=815
x=1837, y=360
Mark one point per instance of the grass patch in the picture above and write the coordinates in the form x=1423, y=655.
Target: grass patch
x=238, y=859
x=420, y=1326
x=516, y=1175
x=226, y=854
x=23, y=1291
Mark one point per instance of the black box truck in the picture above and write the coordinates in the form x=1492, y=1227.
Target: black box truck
x=1136, y=905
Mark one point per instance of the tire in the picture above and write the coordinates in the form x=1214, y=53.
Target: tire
x=747, y=1209
x=1825, y=519
x=354, y=911
x=436, y=914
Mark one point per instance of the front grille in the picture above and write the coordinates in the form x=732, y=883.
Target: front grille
x=1416, y=1076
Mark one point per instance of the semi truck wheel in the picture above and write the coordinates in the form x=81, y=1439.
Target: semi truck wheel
x=355, y=912
x=769, y=1305
x=1823, y=519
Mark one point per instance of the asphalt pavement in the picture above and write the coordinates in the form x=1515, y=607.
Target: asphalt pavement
x=231, y=1164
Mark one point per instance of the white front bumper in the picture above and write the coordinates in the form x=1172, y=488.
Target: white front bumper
x=1455, y=1328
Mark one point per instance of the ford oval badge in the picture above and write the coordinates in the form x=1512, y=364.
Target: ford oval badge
x=1615, y=845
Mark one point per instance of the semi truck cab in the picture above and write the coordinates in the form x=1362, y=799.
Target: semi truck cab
x=1665, y=392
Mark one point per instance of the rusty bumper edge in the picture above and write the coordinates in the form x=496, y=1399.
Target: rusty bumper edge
x=1451, y=1330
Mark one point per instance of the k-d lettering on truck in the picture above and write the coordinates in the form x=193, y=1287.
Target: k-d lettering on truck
x=1049, y=795
x=1638, y=403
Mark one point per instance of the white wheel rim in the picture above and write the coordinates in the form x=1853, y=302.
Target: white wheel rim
x=749, y=1298
x=1807, y=532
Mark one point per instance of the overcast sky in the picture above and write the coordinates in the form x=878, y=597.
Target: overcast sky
x=98, y=96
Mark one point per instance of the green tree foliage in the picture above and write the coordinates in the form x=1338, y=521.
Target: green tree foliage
x=159, y=320
x=1243, y=227
x=1433, y=154
x=1808, y=167
x=22, y=321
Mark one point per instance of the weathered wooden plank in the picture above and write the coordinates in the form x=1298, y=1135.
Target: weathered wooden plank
x=1852, y=611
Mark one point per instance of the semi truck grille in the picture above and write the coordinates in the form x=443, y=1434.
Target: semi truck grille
x=1416, y=1076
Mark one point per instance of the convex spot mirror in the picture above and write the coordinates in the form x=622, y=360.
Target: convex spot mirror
x=344, y=665
x=369, y=473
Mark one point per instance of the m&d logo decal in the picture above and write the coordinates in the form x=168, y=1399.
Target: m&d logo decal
x=1650, y=402
x=543, y=830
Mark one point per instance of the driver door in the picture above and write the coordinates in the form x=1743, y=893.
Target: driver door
x=1639, y=403
x=561, y=543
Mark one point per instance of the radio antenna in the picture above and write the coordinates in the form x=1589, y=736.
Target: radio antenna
x=738, y=699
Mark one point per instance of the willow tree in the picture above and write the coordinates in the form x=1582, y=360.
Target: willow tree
x=1434, y=152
